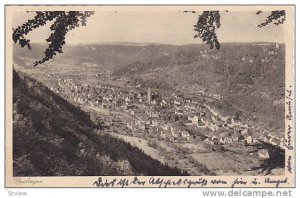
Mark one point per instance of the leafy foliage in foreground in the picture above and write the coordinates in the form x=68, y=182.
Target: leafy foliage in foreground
x=276, y=17
x=209, y=21
x=63, y=23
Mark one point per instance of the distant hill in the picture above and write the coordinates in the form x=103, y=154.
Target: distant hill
x=250, y=76
x=108, y=56
x=51, y=137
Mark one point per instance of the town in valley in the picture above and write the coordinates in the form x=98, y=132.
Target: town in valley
x=196, y=131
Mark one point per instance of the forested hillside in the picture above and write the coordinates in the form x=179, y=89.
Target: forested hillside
x=250, y=77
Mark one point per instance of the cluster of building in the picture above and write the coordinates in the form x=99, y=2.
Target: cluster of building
x=173, y=117
x=271, y=52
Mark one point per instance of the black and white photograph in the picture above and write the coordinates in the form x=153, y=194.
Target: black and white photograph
x=150, y=92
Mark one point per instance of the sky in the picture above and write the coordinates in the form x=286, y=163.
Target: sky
x=168, y=27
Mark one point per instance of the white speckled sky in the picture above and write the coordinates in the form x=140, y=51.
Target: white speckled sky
x=170, y=27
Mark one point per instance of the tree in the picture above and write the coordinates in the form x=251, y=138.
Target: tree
x=209, y=21
x=63, y=23
x=276, y=17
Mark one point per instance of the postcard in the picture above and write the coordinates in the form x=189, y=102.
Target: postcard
x=159, y=96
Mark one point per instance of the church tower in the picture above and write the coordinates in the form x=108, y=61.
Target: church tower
x=149, y=95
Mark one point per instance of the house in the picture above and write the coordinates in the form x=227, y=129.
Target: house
x=118, y=103
x=163, y=134
x=139, y=95
x=271, y=135
x=263, y=154
x=264, y=60
x=202, y=113
x=185, y=134
x=142, y=126
x=195, y=101
x=249, y=139
x=206, y=139
x=172, y=128
x=256, y=141
x=237, y=137
x=217, y=120
x=153, y=102
x=213, y=127
x=272, y=52
x=201, y=124
x=225, y=125
x=229, y=140
x=130, y=107
x=214, y=140
x=275, y=141
x=229, y=121
x=177, y=102
x=154, y=122
x=129, y=126
x=179, y=112
x=193, y=119
x=235, y=121
x=282, y=145
x=163, y=102
x=223, y=118
x=174, y=134
x=245, y=131
x=265, y=132
x=165, y=127
x=266, y=139
x=187, y=100
x=261, y=137
x=127, y=100
x=190, y=106
x=122, y=106
x=222, y=140
x=206, y=122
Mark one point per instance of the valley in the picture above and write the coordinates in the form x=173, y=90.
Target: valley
x=185, y=106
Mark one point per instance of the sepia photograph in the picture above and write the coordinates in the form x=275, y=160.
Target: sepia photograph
x=149, y=96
